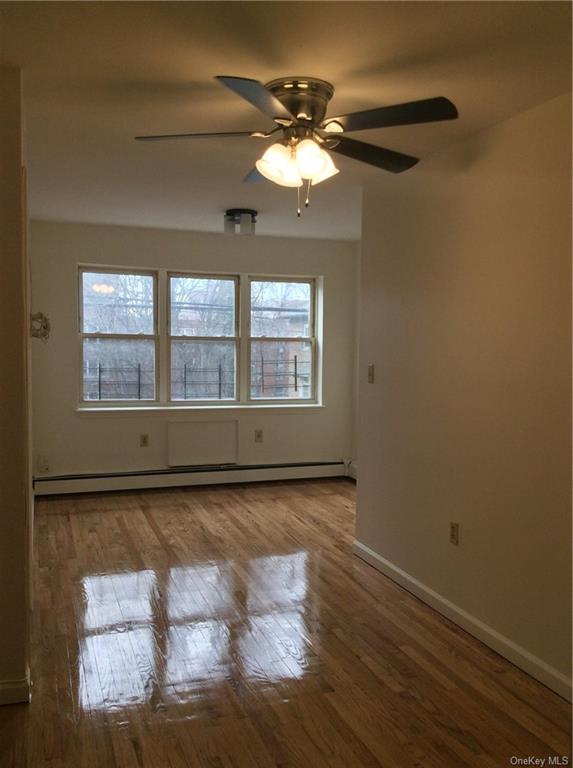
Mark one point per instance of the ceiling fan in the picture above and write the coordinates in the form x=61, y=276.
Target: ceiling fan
x=298, y=107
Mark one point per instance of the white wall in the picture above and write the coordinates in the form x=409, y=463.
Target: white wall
x=14, y=474
x=466, y=311
x=78, y=443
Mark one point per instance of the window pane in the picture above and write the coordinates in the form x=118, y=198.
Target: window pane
x=115, y=303
x=281, y=369
x=202, y=306
x=119, y=369
x=280, y=309
x=202, y=370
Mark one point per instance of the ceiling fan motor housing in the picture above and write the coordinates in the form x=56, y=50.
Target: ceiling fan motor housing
x=306, y=98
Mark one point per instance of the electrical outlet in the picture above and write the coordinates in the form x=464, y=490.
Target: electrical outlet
x=258, y=435
x=42, y=463
x=144, y=441
x=455, y=534
x=371, y=373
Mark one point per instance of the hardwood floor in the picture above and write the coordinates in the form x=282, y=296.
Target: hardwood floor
x=232, y=626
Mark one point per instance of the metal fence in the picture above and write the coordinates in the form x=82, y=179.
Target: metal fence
x=280, y=378
x=133, y=382
x=289, y=378
x=194, y=383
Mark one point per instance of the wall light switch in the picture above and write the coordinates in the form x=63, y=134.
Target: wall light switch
x=371, y=373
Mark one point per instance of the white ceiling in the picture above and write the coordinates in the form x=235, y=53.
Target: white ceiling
x=96, y=74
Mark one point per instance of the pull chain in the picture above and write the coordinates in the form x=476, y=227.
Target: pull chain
x=307, y=201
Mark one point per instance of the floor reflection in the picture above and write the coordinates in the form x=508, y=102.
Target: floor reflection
x=117, y=598
x=115, y=668
x=194, y=652
x=280, y=579
x=198, y=591
x=181, y=634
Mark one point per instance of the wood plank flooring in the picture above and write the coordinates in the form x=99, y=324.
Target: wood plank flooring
x=232, y=626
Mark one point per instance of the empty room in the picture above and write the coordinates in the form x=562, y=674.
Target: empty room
x=285, y=393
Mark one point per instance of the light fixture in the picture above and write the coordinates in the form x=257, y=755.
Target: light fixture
x=290, y=165
x=329, y=170
x=278, y=164
x=295, y=162
x=310, y=159
x=103, y=288
x=240, y=221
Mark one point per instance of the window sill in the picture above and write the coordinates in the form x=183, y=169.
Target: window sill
x=149, y=410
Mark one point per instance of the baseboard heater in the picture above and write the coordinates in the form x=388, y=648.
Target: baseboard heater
x=180, y=476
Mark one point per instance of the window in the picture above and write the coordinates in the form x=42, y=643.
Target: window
x=203, y=337
x=282, y=339
x=176, y=338
x=119, y=335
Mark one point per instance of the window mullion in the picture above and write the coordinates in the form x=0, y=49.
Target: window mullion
x=243, y=344
x=163, y=343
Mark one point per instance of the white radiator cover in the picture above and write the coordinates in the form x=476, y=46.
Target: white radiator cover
x=197, y=443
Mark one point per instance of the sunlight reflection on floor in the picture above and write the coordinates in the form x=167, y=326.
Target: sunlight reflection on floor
x=192, y=629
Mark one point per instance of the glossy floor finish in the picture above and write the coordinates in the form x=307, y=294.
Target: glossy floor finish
x=232, y=626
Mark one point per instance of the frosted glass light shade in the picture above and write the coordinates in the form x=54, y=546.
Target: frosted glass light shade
x=279, y=165
x=329, y=170
x=288, y=166
x=311, y=159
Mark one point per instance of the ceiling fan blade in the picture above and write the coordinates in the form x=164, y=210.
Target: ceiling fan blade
x=424, y=111
x=257, y=95
x=253, y=176
x=387, y=159
x=162, y=137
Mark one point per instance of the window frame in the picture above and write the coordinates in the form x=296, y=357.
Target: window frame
x=82, y=335
x=312, y=338
x=236, y=339
x=242, y=339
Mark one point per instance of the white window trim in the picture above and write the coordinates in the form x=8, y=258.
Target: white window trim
x=311, y=338
x=155, y=337
x=242, y=339
x=236, y=339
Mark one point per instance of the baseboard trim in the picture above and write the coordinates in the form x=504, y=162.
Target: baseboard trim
x=184, y=477
x=353, y=470
x=519, y=656
x=14, y=691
